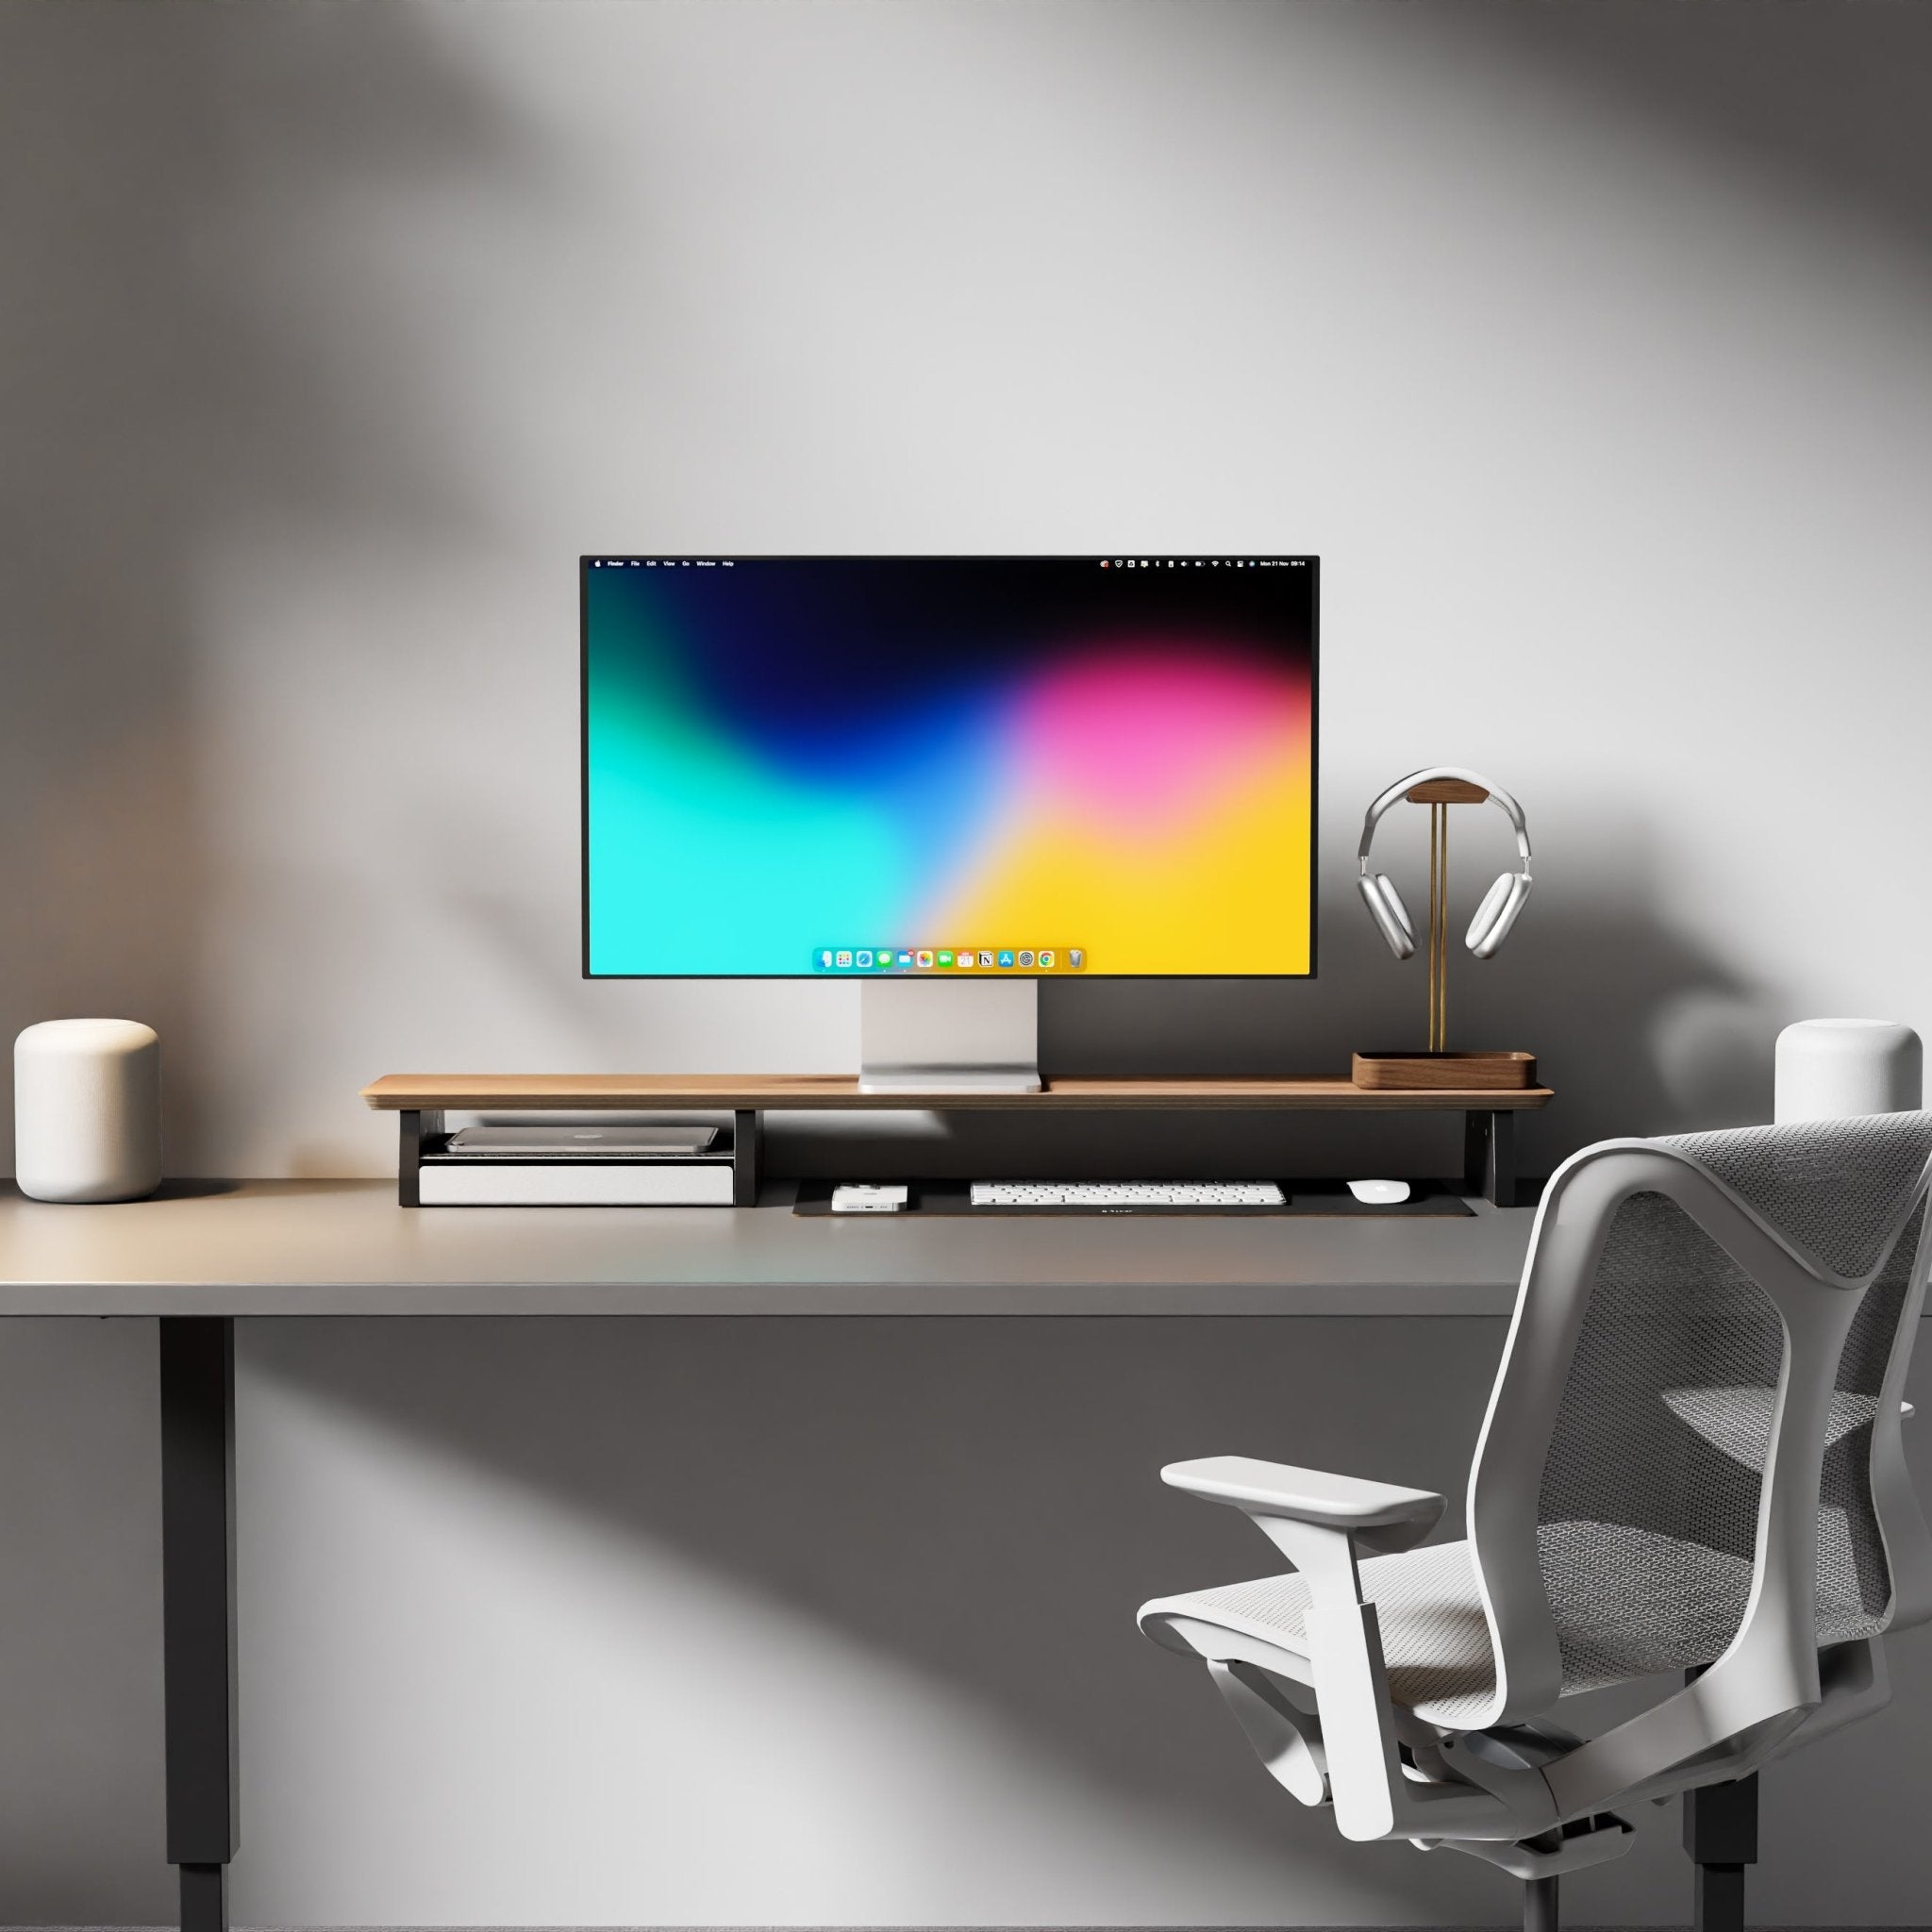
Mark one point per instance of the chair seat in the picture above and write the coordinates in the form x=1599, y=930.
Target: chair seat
x=1627, y=1603
x=1435, y=1637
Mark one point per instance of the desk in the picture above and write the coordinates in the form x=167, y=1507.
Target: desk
x=202, y=1254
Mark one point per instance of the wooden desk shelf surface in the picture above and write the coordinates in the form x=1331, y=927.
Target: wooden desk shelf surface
x=813, y=1091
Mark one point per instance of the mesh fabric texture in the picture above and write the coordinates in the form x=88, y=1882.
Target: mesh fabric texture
x=1835, y=1189
x=1435, y=1635
x=1640, y=1513
x=1851, y=1547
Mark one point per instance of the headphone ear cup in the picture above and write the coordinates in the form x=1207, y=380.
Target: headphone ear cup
x=1390, y=914
x=1498, y=912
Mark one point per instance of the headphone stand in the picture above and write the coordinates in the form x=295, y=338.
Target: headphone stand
x=1438, y=1067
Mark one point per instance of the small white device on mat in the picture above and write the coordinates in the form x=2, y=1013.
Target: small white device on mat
x=1379, y=1193
x=865, y=1200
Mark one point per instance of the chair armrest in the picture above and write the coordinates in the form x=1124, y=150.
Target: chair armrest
x=1320, y=1522
x=1378, y=1516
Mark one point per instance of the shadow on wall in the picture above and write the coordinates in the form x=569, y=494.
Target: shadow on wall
x=167, y=390
x=977, y=1500
x=1821, y=100
x=172, y=385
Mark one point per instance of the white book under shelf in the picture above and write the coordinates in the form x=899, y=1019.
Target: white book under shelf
x=567, y=1184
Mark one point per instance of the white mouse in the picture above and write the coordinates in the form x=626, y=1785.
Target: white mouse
x=1379, y=1193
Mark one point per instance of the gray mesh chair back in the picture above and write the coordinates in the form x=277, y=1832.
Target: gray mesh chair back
x=1710, y=1342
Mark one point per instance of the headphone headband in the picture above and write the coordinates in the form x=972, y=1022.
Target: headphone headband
x=1403, y=785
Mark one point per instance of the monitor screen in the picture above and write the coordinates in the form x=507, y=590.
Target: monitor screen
x=842, y=767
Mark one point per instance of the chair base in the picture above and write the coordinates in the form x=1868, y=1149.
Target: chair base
x=1721, y=1834
x=1720, y=1899
x=1541, y=1911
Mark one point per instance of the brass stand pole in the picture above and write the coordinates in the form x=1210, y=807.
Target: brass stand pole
x=1438, y=928
x=1439, y=794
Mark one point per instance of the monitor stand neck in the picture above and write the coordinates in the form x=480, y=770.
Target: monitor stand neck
x=949, y=1034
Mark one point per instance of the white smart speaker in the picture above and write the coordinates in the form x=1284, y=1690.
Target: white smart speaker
x=87, y=1110
x=1829, y=1068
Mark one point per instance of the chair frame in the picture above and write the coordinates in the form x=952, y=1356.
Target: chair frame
x=1509, y=1786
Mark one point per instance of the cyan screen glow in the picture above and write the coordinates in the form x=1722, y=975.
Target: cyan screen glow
x=1018, y=765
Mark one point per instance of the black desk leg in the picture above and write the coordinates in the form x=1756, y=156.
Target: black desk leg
x=1489, y=1156
x=198, y=1608
x=1721, y=1834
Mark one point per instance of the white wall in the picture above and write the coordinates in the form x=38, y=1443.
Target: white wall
x=1588, y=346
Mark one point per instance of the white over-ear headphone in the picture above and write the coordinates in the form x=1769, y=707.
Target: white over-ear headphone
x=1501, y=902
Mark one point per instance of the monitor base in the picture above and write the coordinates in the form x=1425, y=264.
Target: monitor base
x=949, y=1036
x=944, y=1079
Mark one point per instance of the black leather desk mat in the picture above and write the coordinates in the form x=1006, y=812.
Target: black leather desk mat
x=1428, y=1200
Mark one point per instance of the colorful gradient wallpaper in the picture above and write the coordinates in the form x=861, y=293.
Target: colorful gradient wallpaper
x=843, y=766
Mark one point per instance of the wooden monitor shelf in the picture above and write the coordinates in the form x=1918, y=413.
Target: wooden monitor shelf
x=422, y=1099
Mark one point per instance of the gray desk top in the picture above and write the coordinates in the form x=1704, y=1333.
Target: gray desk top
x=345, y=1248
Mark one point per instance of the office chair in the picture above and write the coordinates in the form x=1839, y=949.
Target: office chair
x=1692, y=1464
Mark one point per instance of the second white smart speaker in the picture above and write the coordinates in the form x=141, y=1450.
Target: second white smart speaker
x=87, y=1110
x=1827, y=1068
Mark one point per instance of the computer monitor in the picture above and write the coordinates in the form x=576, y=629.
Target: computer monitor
x=958, y=775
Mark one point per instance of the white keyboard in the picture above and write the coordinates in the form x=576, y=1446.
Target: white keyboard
x=1127, y=1194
